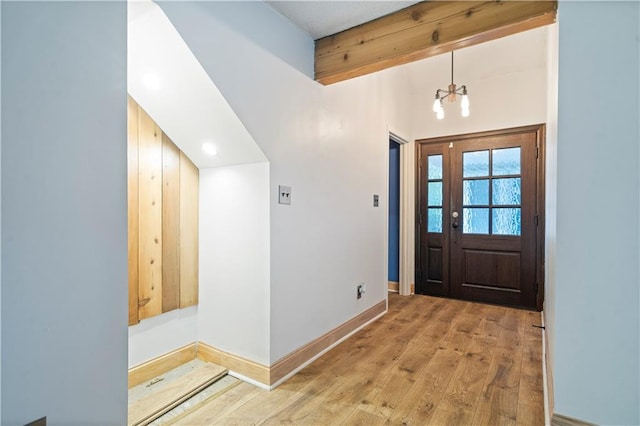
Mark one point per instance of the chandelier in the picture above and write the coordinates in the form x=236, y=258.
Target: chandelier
x=450, y=93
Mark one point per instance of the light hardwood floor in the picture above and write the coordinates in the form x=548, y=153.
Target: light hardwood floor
x=429, y=361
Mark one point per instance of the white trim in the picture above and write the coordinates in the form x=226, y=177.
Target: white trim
x=249, y=380
x=324, y=351
x=396, y=138
x=545, y=384
x=405, y=221
x=405, y=272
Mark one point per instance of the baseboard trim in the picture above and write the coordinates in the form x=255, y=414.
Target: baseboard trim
x=293, y=362
x=234, y=363
x=162, y=364
x=394, y=286
x=560, y=420
x=547, y=377
x=253, y=372
x=285, y=367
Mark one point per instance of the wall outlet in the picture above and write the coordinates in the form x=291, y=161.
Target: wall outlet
x=284, y=194
x=360, y=290
x=376, y=200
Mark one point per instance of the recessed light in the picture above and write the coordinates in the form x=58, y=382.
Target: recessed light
x=209, y=148
x=151, y=81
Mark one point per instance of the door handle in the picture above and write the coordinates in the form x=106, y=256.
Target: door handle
x=455, y=222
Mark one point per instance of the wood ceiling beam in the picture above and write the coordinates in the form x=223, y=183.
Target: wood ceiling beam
x=425, y=29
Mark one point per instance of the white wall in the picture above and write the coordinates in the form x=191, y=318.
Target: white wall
x=596, y=352
x=233, y=312
x=64, y=213
x=328, y=143
x=0, y=213
x=161, y=334
x=551, y=185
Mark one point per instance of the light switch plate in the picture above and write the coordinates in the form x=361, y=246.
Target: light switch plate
x=284, y=194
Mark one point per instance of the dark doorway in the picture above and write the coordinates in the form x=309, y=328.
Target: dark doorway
x=479, y=217
x=394, y=215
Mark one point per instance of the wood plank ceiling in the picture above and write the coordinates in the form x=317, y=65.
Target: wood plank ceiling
x=423, y=30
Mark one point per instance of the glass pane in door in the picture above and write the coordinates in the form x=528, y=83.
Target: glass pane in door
x=506, y=161
x=475, y=220
x=475, y=163
x=506, y=221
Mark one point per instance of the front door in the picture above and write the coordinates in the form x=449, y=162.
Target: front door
x=478, y=217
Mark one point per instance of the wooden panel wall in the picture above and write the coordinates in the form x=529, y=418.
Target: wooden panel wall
x=132, y=196
x=150, y=216
x=189, y=196
x=170, y=225
x=163, y=220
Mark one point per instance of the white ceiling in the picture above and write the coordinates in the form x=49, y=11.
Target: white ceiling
x=187, y=105
x=323, y=18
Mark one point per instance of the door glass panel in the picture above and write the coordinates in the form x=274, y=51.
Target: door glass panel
x=506, y=221
x=506, y=191
x=475, y=220
x=506, y=161
x=434, y=220
x=475, y=192
x=475, y=163
x=434, y=194
x=434, y=170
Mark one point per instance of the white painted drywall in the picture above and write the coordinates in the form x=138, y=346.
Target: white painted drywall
x=0, y=213
x=233, y=311
x=187, y=105
x=328, y=143
x=551, y=185
x=161, y=334
x=64, y=212
x=596, y=352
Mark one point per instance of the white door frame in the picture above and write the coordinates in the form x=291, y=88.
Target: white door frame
x=405, y=208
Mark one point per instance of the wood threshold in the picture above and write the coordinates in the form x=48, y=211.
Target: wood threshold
x=153, y=406
x=161, y=364
x=560, y=420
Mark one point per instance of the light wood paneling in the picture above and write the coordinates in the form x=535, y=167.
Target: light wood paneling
x=132, y=207
x=426, y=29
x=189, y=196
x=148, y=409
x=150, y=217
x=428, y=361
x=161, y=365
x=170, y=225
x=247, y=368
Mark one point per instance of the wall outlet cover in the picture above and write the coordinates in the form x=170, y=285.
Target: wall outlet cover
x=284, y=194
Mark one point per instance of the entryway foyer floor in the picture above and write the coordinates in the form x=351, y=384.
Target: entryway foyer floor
x=428, y=361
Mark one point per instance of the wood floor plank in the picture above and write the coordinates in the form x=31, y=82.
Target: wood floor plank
x=428, y=361
x=210, y=411
x=147, y=409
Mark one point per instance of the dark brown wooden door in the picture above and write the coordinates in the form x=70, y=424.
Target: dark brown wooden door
x=479, y=230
